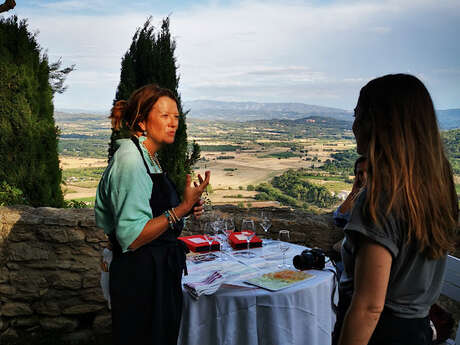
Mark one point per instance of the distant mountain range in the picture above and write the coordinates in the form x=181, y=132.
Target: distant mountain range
x=310, y=121
x=449, y=118
x=250, y=111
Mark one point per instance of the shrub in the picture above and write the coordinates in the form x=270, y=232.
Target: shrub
x=10, y=195
x=75, y=204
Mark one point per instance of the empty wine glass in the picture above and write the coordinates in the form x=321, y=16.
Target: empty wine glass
x=265, y=224
x=207, y=234
x=217, y=224
x=229, y=226
x=248, y=230
x=218, y=227
x=284, y=239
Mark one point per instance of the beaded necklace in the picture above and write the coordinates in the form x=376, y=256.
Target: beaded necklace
x=153, y=157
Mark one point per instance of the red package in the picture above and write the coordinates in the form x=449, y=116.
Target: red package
x=238, y=240
x=198, y=244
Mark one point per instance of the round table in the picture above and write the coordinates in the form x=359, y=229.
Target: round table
x=299, y=314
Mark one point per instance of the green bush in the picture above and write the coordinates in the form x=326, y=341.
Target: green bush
x=10, y=195
x=75, y=204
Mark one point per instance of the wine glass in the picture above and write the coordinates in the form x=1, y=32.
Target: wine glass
x=229, y=226
x=217, y=224
x=207, y=234
x=284, y=237
x=248, y=230
x=265, y=223
x=218, y=227
x=207, y=205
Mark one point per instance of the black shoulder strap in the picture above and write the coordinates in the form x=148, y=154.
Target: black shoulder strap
x=135, y=140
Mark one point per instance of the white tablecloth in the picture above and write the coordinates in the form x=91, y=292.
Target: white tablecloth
x=300, y=314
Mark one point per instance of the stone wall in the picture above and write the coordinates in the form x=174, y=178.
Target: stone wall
x=49, y=266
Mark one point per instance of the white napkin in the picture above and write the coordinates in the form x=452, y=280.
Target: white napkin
x=107, y=256
x=207, y=286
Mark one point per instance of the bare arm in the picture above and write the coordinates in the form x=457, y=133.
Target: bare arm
x=158, y=225
x=372, y=273
x=349, y=201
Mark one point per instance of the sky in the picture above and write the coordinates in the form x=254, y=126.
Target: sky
x=314, y=52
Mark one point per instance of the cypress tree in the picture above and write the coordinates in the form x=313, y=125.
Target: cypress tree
x=28, y=134
x=150, y=59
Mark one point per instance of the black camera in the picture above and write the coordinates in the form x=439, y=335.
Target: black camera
x=310, y=259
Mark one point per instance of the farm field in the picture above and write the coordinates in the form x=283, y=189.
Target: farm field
x=240, y=156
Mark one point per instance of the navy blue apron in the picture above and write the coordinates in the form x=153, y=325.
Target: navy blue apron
x=145, y=284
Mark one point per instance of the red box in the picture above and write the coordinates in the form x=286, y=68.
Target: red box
x=238, y=240
x=198, y=244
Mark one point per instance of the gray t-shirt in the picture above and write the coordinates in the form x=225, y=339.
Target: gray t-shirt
x=415, y=281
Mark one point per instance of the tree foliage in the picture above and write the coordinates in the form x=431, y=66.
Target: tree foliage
x=150, y=59
x=291, y=188
x=343, y=163
x=28, y=135
x=451, y=141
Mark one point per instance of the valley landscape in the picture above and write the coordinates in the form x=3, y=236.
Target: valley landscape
x=243, y=156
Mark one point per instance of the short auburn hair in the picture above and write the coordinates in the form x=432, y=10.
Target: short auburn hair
x=136, y=109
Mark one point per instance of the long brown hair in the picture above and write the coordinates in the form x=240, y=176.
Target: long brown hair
x=129, y=113
x=407, y=163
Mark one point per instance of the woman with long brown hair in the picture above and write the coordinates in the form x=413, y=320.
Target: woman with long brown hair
x=138, y=207
x=402, y=224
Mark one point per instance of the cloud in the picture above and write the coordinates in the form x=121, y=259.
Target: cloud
x=380, y=29
x=68, y=5
x=311, y=52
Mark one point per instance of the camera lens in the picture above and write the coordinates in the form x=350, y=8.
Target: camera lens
x=310, y=258
x=303, y=261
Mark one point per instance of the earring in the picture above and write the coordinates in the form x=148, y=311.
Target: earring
x=144, y=133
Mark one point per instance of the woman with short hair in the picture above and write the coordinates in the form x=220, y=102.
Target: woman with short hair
x=138, y=207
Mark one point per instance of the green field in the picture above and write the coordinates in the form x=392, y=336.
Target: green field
x=324, y=150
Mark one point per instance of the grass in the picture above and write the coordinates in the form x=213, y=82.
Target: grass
x=90, y=199
x=81, y=173
x=82, y=177
x=84, y=184
x=337, y=187
x=280, y=155
x=325, y=178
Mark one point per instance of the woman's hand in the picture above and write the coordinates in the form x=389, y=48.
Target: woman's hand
x=198, y=209
x=192, y=195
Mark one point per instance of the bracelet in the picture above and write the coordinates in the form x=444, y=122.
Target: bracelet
x=169, y=218
x=176, y=219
